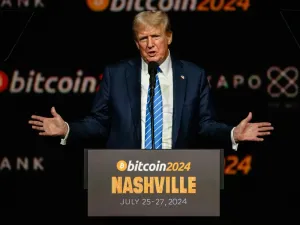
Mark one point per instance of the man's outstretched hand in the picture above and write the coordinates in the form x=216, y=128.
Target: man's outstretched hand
x=54, y=126
x=247, y=131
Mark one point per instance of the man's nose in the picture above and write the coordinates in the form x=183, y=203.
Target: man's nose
x=150, y=42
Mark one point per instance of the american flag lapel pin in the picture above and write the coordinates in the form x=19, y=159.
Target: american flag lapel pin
x=182, y=77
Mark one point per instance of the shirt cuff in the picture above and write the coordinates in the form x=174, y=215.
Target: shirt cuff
x=63, y=141
x=234, y=144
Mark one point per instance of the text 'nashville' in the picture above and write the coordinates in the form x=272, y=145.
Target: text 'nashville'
x=153, y=185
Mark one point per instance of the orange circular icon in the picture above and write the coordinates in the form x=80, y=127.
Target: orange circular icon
x=97, y=5
x=121, y=165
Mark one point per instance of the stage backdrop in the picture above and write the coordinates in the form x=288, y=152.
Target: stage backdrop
x=54, y=53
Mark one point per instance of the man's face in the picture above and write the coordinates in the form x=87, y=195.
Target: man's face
x=153, y=43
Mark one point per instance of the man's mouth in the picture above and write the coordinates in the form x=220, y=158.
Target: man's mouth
x=151, y=53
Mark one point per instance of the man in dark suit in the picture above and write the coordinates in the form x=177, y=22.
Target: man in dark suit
x=183, y=107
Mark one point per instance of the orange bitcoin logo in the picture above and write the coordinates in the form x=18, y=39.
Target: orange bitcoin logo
x=97, y=5
x=122, y=165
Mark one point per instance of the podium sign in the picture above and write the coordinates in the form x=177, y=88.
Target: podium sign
x=154, y=183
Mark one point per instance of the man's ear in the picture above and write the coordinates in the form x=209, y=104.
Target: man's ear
x=137, y=45
x=169, y=37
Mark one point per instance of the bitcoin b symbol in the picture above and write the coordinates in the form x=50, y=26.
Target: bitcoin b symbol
x=121, y=165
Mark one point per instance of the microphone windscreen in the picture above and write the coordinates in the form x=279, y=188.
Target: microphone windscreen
x=152, y=67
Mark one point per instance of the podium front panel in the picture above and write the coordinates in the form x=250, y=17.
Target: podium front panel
x=154, y=183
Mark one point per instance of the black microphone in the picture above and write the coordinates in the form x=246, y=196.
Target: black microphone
x=152, y=70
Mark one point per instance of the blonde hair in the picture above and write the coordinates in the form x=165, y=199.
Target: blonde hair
x=151, y=18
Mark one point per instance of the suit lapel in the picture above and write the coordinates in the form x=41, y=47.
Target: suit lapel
x=133, y=82
x=179, y=89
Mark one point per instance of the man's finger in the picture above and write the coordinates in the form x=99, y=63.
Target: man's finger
x=249, y=117
x=53, y=112
x=258, y=139
x=34, y=122
x=40, y=118
x=43, y=134
x=263, y=133
x=38, y=128
x=265, y=129
x=264, y=124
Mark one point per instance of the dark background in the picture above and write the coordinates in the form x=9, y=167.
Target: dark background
x=66, y=36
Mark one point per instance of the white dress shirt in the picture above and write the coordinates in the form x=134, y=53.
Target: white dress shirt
x=166, y=84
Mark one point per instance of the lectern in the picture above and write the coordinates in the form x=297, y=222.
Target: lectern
x=154, y=182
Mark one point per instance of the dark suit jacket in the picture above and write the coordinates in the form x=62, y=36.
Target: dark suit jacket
x=116, y=112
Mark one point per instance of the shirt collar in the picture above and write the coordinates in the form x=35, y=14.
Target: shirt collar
x=164, y=67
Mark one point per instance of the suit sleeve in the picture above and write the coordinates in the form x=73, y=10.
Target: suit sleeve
x=98, y=122
x=209, y=127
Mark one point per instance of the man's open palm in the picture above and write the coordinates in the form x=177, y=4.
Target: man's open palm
x=54, y=126
x=247, y=131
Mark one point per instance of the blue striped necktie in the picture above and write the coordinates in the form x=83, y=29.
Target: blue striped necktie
x=158, y=118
